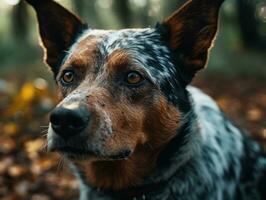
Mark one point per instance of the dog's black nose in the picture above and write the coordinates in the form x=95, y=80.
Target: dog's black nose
x=69, y=120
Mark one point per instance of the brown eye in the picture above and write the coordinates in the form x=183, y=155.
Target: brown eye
x=134, y=78
x=68, y=77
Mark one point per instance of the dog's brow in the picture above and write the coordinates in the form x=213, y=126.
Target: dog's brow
x=84, y=54
x=118, y=59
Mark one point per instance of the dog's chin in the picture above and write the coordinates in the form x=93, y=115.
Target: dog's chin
x=76, y=153
x=82, y=154
x=79, y=150
x=92, y=157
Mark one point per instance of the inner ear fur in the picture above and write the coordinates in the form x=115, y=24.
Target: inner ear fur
x=58, y=29
x=192, y=30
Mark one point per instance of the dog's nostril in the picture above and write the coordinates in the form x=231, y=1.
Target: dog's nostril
x=69, y=121
x=77, y=123
x=54, y=119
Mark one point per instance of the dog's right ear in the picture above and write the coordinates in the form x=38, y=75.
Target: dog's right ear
x=191, y=32
x=58, y=29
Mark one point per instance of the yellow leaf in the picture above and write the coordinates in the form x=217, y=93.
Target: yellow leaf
x=41, y=165
x=254, y=114
x=33, y=147
x=17, y=170
x=27, y=92
x=7, y=144
x=264, y=133
x=10, y=128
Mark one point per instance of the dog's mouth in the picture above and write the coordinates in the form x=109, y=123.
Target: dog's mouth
x=74, y=150
x=74, y=153
x=78, y=149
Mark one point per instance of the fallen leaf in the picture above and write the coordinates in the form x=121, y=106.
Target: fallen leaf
x=41, y=165
x=263, y=133
x=27, y=92
x=7, y=145
x=254, y=114
x=17, y=170
x=40, y=197
x=22, y=188
x=10, y=128
x=32, y=147
x=5, y=164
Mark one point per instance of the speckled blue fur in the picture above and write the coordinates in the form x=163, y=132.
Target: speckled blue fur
x=209, y=158
x=224, y=165
x=212, y=159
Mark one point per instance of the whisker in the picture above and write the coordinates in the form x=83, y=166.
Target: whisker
x=60, y=164
x=149, y=145
x=45, y=126
x=44, y=147
x=44, y=131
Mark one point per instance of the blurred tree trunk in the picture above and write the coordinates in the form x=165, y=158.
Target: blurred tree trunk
x=145, y=18
x=78, y=6
x=249, y=25
x=247, y=22
x=122, y=10
x=19, y=20
x=172, y=5
x=86, y=10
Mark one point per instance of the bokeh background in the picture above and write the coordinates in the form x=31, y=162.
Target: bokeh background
x=235, y=77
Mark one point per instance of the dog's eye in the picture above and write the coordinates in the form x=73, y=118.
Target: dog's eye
x=67, y=77
x=134, y=78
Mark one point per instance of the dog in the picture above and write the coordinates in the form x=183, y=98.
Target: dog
x=127, y=121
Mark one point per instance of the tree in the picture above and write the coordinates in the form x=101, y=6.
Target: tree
x=20, y=19
x=249, y=25
x=86, y=10
x=122, y=10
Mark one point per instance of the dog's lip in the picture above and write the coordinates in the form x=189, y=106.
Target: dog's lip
x=81, y=153
x=71, y=150
x=78, y=153
x=121, y=155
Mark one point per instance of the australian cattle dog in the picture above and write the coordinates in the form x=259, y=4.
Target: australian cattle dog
x=127, y=121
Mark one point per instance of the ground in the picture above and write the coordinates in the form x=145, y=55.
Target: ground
x=27, y=171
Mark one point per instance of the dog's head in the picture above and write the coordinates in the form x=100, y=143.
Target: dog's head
x=122, y=90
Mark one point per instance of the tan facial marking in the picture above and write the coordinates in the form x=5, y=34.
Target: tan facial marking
x=146, y=129
x=118, y=59
x=119, y=123
x=84, y=54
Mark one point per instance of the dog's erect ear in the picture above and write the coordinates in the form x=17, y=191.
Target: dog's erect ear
x=192, y=30
x=58, y=29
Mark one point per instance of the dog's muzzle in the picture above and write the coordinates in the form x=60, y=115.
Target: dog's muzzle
x=68, y=135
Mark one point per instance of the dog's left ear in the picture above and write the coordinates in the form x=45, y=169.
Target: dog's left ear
x=192, y=30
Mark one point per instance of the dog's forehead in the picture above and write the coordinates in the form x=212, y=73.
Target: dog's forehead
x=144, y=46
